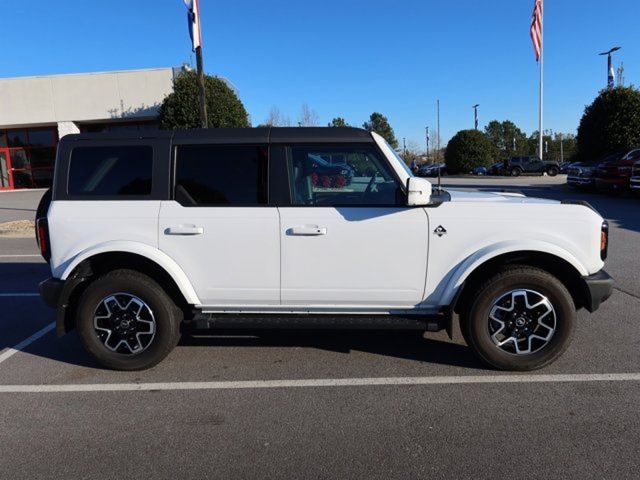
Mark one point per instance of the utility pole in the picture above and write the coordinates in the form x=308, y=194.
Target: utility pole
x=438, y=138
x=561, y=149
x=514, y=144
x=610, y=73
x=475, y=115
x=427, y=129
x=404, y=145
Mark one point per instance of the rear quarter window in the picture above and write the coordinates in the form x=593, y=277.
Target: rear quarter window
x=111, y=171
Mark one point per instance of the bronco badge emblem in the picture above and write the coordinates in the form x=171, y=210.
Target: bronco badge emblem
x=440, y=231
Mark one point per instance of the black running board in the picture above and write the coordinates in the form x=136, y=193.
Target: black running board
x=208, y=321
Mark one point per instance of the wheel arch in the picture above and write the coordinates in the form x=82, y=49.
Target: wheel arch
x=564, y=267
x=146, y=260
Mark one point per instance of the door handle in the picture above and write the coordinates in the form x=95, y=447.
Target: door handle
x=184, y=230
x=307, y=231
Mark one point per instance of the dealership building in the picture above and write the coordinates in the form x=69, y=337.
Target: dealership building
x=35, y=112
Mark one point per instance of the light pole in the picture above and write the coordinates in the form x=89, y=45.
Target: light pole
x=475, y=115
x=610, y=73
x=427, y=129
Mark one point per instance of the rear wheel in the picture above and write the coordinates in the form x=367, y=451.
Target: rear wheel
x=516, y=172
x=126, y=321
x=552, y=171
x=522, y=318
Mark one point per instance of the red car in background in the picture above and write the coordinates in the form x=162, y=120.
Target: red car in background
x=614, y=174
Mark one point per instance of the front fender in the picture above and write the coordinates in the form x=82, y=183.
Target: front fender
x=466, y=267
x=160, y=258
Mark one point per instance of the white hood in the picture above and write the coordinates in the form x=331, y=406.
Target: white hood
x=466, y=196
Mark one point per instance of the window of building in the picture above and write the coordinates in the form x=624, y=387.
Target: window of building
x=221, y=175
x=31, y=154
x=111, y=171
x=341, y=176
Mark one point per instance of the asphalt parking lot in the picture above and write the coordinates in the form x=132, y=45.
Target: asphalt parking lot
x=269, y=405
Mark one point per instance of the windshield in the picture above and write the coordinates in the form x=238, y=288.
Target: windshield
x=399, y=158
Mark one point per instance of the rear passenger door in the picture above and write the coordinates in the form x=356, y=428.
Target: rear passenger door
x=219, y=227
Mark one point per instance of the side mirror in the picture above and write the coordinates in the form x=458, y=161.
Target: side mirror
x=418, y=191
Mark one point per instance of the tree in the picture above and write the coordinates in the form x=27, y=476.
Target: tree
x=610, y=123
x=466, y=150
x=180, y=109
x=276, y=119
x=378, y=123
x=338, y=122
x=308, y=117
x=502, y=136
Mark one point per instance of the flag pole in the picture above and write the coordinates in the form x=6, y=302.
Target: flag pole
x=203, y=96
x=541, y=106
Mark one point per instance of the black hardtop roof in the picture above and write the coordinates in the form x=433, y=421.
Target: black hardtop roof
x=237, y=135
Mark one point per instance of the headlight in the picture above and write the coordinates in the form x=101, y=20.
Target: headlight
x=624, y=170
x=344, y=172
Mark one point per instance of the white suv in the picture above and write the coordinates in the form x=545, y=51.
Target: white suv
x=247, y=228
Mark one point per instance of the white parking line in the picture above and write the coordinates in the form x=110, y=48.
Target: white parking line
x=26, y=342
x=324, y=382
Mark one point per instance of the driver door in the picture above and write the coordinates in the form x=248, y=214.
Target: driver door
x=350, y=243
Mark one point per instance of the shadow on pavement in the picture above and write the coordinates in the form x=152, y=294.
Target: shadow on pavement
x=396, y=344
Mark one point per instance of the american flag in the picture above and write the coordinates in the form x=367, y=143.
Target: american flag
x=536, y=28
x=193, y=18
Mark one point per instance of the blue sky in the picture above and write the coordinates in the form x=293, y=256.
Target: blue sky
x=346, y=57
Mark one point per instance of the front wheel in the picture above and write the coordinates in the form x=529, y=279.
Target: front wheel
x=522, y=318
x=552, y=171
x=516, y=172
x=126, y=321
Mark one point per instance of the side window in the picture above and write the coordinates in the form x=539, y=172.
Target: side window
x=221, y=175
x=110, y=171
x=341, y=176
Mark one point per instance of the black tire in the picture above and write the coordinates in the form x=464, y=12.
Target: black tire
x=475, y=323
x=165, y=313
x=516, y=172
x=552, y=171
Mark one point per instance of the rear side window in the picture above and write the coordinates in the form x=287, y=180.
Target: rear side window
x=221, y=175
x=111, y=171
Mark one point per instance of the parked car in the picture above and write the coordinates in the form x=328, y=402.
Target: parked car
x=564, y=167
x=147, y=233
x=614, y=174
x=517, y=166
x=479, y=171
x=423, y=170
x=582, y=175
x=634, y=181
x=331, y=174
x=434, y=170
x=496, y=169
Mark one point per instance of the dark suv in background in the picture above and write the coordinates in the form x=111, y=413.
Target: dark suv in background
x=614, y=173
x=517, y=166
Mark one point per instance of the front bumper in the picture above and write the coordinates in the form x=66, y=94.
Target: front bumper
x=609, y=184
x=634, y=183
x=51, y=291
x=598, y=288
x=581, y=181
x=59, y=294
